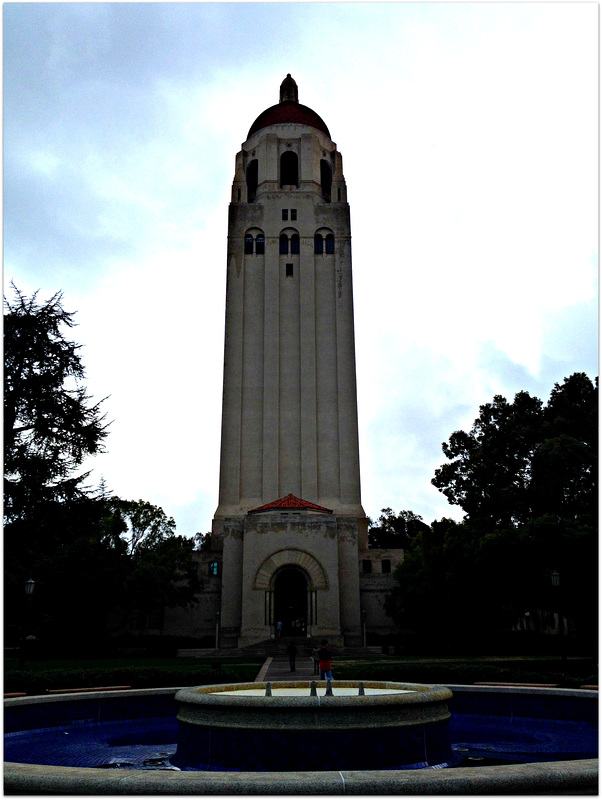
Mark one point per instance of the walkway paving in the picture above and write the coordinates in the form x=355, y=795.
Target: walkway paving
x=278, y=669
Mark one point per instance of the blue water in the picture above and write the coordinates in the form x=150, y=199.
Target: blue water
x=127, y=744
x=150, y=743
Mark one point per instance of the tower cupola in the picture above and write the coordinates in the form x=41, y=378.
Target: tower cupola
x=288, y=110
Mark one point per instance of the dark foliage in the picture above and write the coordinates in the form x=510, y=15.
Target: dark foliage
x=392, y=531
x=50, y=427
x=87, y=552
x=526, y=477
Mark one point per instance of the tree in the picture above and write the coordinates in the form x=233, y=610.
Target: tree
x=522, y=460
x=526, y=476
x=490, y=470
x=50, y=427
x=88, y=553
x=392, y=531
x=202, y=542
x=565, y=463
x=74, y=552
x=161, y=567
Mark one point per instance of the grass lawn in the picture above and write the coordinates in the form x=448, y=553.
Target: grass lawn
x=572, y=673
x=184, y=664
x=40, y=675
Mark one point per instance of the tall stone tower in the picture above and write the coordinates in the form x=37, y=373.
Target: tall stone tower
x=290, y=518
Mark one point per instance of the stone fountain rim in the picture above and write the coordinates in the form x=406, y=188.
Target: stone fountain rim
x=215, y=695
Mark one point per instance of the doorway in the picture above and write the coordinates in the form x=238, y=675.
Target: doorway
x=290, y=601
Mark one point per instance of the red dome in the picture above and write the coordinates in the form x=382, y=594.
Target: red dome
x=288, y=111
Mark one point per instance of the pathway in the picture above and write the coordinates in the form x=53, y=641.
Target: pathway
x=278, y=669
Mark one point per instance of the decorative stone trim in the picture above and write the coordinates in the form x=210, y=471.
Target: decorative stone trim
x=291, y=557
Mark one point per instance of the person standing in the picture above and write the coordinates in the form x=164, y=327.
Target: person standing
x=325, y=661
x=315, y=654
x=292, y=655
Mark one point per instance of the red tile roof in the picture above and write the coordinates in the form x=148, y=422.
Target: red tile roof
x=290, y=501
x=288, y=111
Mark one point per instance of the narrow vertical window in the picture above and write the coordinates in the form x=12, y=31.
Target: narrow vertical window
x=285, y=213
x=325, y=179
x=260, y=244
x=283, y=244
x=318, y=244
x=248, y=245
x=386, y=565
x=289, y=270
x=367, y=566
x=329, y=243
x=293, y=213
x=295, y=244
x=252, y=180
x=289, y=169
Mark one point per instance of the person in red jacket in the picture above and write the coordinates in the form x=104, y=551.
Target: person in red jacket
x=325, y=662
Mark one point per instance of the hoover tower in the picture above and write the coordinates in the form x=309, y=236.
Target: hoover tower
x=289, y=519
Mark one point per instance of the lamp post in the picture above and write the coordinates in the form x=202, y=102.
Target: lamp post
x=555, y=578
x=364, y=627
x=29, y=587
x=217, y=630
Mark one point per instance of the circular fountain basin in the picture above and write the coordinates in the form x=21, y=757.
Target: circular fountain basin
x=286, y=727
x=563, y=721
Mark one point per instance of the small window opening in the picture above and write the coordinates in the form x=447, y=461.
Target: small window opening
x=289, y=270
x=260, y=245
x=238, y=195
x=214, y=568
x=318, y=244
x=285, y=213
x=339, y=195
x=330, y=243
x=386, y=565
x=252, y=180
x=293, y=213
x=295, y=244
x=367, y=566
x=283, y=244
x=248, y=245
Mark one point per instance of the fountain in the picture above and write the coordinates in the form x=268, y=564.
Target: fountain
x=292, y=726
x=512, y=740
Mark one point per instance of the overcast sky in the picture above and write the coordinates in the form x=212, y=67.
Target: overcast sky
x=469, y=136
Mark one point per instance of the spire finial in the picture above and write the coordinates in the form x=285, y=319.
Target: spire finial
x=288, y=90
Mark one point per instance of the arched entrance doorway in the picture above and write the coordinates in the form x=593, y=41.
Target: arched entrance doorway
x=290, y=601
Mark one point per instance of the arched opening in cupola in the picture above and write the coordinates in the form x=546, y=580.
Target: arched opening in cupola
x=289, y=169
